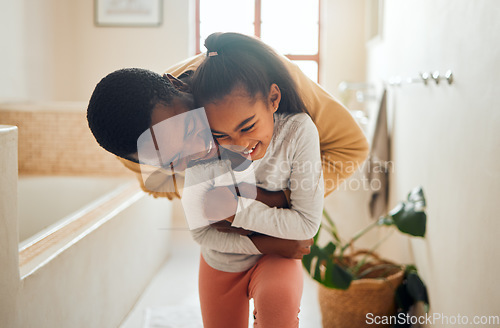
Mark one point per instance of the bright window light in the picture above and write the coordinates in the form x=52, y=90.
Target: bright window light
x=290, y=26
x=226, y=16
x=309, y=68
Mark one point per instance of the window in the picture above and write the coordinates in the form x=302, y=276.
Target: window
x=289, y=26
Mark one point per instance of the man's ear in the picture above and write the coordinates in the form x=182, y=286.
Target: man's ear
x=178, y=84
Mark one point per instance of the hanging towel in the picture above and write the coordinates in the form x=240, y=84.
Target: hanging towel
x=378, y=163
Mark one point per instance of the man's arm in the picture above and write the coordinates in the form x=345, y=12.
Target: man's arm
x=220, y=202
x=343, y=144
x=294, y=249
x=154, y=181
x=255, y=244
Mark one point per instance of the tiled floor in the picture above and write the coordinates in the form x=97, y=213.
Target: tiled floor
x=172, y=295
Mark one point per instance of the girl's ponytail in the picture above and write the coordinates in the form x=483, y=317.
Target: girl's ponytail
x=212, y=45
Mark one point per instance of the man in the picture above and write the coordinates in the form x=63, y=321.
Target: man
x=129, y=103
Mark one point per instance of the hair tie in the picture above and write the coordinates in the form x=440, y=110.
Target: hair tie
x=212, y=53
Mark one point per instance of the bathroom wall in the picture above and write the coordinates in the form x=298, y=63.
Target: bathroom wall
x=56, y=53
x=54, y=139
x=446, y=138
x=12, y=66
x=343, y=51
x=53, y=58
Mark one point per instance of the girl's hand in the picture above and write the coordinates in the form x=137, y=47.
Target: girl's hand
x=220, y=204
x=294, y=249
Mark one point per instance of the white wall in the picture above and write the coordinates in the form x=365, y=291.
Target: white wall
x=342, y=43
x=55, y=52
x=447, y=139
x=12, y=68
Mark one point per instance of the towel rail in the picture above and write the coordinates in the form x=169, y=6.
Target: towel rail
x=364, y=90
x=424, y=78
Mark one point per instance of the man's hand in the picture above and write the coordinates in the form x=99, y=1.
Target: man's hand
x=220, y=204
x=294, y=249
x=248, y=190
x=225, y=226
x=279, y=199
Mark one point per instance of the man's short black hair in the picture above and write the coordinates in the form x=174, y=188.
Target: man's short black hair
x=121, y=106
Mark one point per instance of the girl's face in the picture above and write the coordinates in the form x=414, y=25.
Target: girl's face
x=244, y=124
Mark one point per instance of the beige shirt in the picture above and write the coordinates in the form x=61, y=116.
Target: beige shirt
x=342, y=143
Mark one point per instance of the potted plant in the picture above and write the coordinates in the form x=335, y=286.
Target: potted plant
x=357, y=287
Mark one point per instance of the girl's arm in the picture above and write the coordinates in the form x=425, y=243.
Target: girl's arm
x=208, y=236
x=302, y=220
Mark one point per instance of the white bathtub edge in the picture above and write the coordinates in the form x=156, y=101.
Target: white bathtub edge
x=42, y=260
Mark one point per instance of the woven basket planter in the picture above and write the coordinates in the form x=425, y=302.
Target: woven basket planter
x=348, y=308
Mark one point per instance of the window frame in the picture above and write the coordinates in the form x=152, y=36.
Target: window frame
x=257, y=32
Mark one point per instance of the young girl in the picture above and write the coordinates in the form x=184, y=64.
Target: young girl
x=254, y=110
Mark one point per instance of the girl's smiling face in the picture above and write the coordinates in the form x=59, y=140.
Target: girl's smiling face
x=242, y=123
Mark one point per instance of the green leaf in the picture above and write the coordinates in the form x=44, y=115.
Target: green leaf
x=332, y=227
x=307, y=261
x=409, y=216
x=385, y=220
x=416, y=196
x=397, y=209
x=315, y=238
x=328, y=218
x=410, y=268
x=321, y=255
x=408, y=220
x=416, y=288
x=411, y=291
x=337, y=277
x=317, y=272
x=403, y=298
x=329, y=249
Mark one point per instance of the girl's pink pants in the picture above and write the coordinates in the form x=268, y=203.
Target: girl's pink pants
x=275, y=283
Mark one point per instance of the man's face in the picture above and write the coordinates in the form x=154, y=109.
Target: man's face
x=176, y=137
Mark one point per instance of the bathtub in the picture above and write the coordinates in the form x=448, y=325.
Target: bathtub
x=45, y=202
x=88, y=248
